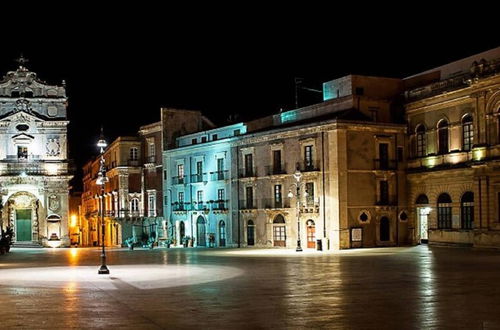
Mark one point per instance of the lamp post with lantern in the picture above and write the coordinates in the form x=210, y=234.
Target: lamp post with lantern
x=298, y=185
x=101, y=181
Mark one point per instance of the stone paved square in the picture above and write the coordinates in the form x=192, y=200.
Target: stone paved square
x=392, y=288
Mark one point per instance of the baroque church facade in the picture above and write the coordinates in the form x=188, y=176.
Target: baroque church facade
x=34, y=168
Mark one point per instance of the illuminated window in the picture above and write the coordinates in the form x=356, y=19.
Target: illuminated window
x=308, y=157
x=22, y=152
x=444, y=211
x=134, y=153
x=277, y=196
x=467, y=133
x=420, y=137
x=467, y=210
x=134, y=205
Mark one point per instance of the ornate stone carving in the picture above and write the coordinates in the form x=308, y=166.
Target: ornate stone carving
x=54, y=202
x=53, y=147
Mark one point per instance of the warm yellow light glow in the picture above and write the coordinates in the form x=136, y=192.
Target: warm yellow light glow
x=73, y=222
x=54, y=243
x=479, y=153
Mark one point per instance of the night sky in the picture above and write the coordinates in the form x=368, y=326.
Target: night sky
x=121, y=66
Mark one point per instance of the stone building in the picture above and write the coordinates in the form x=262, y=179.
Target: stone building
x=349, y=154
x=454, y=170
x=34, y=165
x=123, y=197
x=152, y=180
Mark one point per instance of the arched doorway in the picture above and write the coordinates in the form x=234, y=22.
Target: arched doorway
x=201, y=231
x=222, y=233
x=279, y=231
x=423, y=210
x=250, y=233
x=385, y=229
x=21, y=212
x=311, y=234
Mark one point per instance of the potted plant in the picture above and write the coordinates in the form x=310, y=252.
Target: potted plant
x=185, y=240
x=211, y=240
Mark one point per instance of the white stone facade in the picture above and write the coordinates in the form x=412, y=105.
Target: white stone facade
x=34, y=170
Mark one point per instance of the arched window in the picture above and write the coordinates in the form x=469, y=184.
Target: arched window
x=443, y=137
x=422, y=199
x=385, y=229
x=420, y=141
x=222, y=233
x=467, y=133
x=444, y=211
x=467, y=210
x=134, y=205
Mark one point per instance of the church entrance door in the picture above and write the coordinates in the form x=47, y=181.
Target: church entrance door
x=23, y=225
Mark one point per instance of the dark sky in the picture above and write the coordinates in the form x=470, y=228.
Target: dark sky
x=122, y=65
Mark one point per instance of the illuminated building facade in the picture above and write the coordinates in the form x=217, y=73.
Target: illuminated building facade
x=123, y=197
x=453, y=115
x=347, y=150
x=34, y=170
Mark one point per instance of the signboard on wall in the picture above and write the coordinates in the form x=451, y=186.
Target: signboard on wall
x=356, y=237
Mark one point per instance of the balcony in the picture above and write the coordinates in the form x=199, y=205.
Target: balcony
x=247, y=173
x=271, y=203
x=179, y=180
x=150, y=160
x=199, y=177
x=200, y=206
x=308, y=166
x=219, y=175
x=219, y=205
x=385, y=164
x=180, y=207
x=276, y=169
x=247, y=204
x=133, y=162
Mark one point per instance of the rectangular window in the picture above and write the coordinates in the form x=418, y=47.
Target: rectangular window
x=199, y=168
x=220, y=168
x=248, y=165
x=236, y=132
x=165, y=200
x=384, y=192
x=383, y=155
x=214, y=137
x=277, y=196
x=308, y=157
x=220, y=199
x=468, y=134
x=249, y=197
x=203, y=139
x=180, y=173
x=194, y=141
x=360, y=90
x=152, y=205
x=134, y=153
x=22, y=152
x=181, y=197
x=400, y=154
x=152, y=150
x=444, y=216
x=310, y=193
x=276, y=161
x=164, y=174
x=180, y=207
x=199, y=196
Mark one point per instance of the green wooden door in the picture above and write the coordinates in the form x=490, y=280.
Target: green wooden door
x=23, y=225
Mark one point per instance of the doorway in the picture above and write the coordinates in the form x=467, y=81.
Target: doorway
x=201, y=232
x=279, y=231
x=423, y=226
x=311, y=234
x=250, y=233
x=23, y=225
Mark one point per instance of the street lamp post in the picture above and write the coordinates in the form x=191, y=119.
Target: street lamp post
x=101, y=181
x=298, y=184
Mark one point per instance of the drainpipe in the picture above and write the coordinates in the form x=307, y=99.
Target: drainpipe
x=323, y=183
x=238, y=196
